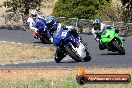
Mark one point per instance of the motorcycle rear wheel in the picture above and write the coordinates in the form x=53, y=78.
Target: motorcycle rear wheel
x=72, y=54
x=88, y=57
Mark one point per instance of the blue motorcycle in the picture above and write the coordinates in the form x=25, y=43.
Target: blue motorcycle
x=67, y=44
x=43, y=32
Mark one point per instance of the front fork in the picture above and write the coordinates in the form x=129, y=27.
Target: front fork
x=62, y=51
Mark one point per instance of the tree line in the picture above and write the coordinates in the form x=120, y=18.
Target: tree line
x=86, y=9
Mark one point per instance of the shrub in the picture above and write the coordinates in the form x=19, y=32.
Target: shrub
x=87, y=9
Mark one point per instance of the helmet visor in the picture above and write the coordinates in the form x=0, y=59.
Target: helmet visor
x=97, y=26
x=49, y=25
x=33, y=15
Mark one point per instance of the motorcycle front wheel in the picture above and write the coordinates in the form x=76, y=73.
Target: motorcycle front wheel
x=120, y=49
x=45, y=40
x=59, y=55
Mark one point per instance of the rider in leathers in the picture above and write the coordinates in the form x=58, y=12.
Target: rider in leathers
x=97, y=30
x=32, y=20
x=53, y=26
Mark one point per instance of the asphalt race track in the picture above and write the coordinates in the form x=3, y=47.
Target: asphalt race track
x=99, y=58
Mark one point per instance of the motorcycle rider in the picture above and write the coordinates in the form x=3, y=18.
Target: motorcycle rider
x=97, y=30
x=32, y=20
x=53, y=26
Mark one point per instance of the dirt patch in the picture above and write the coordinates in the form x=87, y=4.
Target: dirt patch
x=56, y=74
x=11, y=52
x=47, y=7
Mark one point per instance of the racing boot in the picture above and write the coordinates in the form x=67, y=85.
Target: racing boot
x=36, y=35
x=101, y=46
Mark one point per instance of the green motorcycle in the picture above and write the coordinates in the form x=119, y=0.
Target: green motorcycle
x=112, y=41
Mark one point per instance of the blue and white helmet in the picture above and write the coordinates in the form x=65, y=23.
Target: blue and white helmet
x=96, y=21
x=33, y=13
x=50, y=22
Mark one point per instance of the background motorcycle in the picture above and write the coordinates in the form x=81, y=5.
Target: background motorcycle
x=112, y=41
x=43, y=33
x=67, y=44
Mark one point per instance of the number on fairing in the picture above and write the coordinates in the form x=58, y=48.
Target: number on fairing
x=64, y=34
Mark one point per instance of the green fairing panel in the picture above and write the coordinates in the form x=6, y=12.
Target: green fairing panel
x=110, y=34
x=107, y=36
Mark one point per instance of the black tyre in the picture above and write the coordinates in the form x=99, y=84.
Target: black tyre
x=72, y=54
x=59, y=56
x=44, y=41
x=81, y=80
x=118, y=48
x=88, y=57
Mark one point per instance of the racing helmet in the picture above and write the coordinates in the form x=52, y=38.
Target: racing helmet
x=97, y=21
x=34, y=14
x=96, y=24
x=50, y=22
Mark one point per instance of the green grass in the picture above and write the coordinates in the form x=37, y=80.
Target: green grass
x=39, y=83
x=70, y=82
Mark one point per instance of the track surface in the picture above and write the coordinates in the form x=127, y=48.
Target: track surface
x=99, y=58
